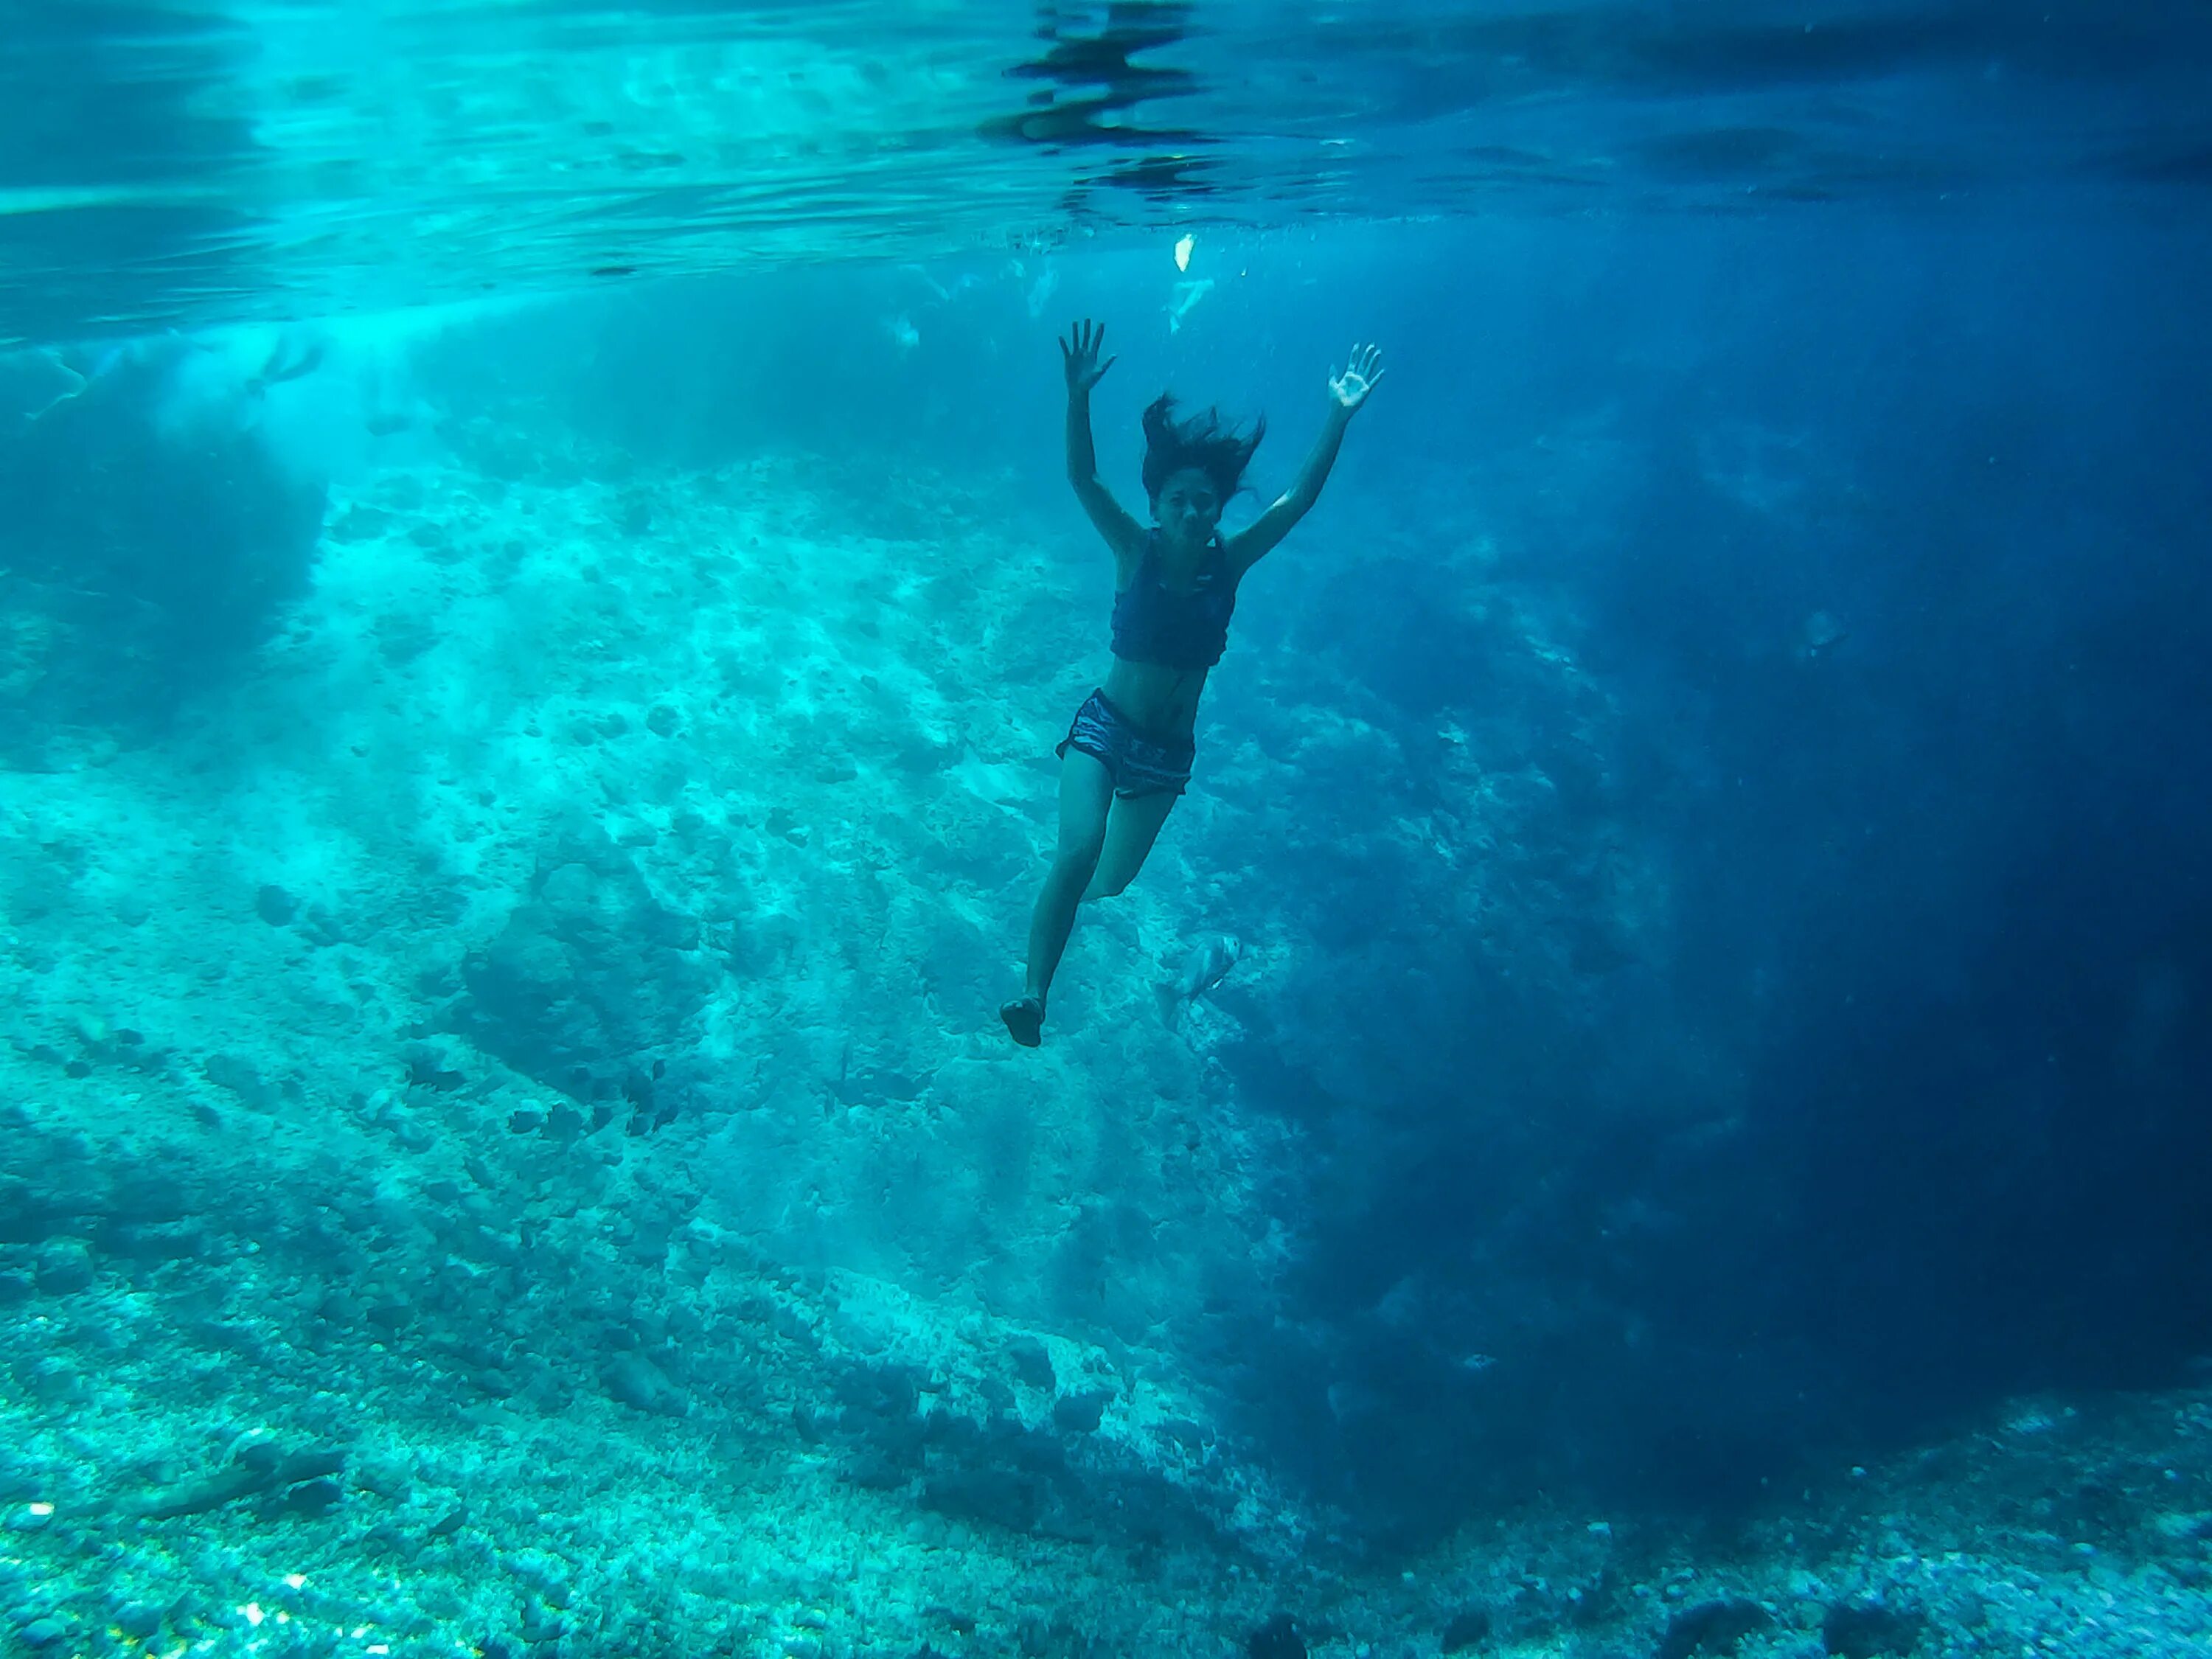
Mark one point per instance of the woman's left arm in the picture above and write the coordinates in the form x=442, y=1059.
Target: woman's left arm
x=1347, y=393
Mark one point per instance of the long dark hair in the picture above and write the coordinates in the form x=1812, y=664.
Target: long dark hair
x=1204, y=441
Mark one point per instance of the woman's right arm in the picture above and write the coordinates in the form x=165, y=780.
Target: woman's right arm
x=1080, y=355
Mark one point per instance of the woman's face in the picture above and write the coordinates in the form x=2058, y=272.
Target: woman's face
x=1187, y=508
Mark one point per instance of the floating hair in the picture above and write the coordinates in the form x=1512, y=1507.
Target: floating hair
x=1205, y=442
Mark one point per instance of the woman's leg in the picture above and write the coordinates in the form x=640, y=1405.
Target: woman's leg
x=1086, y=794
x=1131, y=828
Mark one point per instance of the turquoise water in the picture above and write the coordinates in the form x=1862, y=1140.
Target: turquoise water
x=1647, y=1100
x=199, y=164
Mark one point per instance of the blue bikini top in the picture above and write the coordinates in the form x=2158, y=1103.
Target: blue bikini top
x=1154, y=624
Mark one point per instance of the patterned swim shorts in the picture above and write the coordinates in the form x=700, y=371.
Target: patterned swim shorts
x=1137, y=765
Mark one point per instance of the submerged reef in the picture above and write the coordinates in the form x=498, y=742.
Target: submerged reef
x=544, y=1180
x=154, y=539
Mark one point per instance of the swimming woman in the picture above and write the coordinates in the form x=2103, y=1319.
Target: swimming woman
x=1129, y=754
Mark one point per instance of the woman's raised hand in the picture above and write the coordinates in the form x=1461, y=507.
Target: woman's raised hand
x=1078, y=353
x=1349, y=390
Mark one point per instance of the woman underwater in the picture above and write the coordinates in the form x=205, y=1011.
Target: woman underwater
x=1129, y=754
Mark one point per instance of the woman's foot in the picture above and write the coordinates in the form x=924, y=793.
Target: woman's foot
x=1024, y=1017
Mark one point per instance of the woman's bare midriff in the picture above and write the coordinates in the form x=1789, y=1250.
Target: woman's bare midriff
x=1160, y=701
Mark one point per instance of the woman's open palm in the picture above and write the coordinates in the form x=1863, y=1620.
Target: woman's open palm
x=1079, y=353
x=1350, y=389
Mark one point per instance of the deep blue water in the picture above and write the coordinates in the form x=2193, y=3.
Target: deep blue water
x=1722, y=775
x=1895, y=1107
